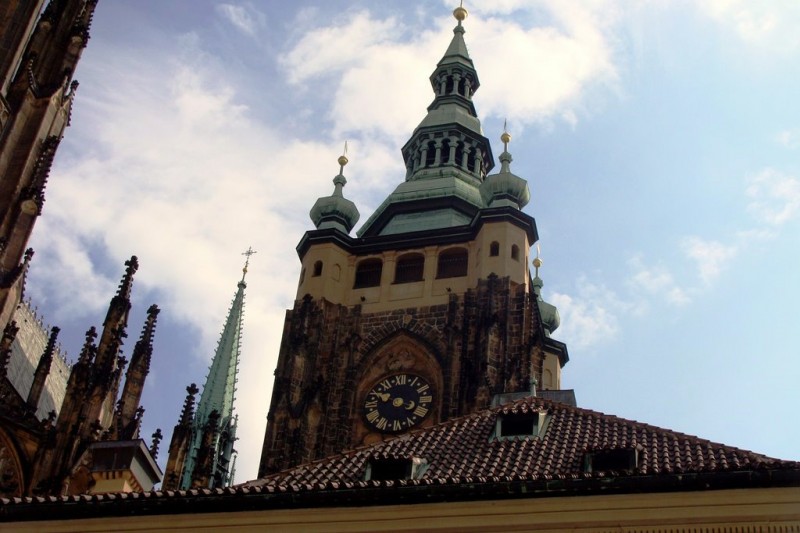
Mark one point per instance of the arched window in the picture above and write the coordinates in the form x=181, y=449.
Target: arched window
x=317, y=269
x=494, y=249
x=445, y=151
x=430, y=155
x=302, y=275
x=459, y=155
x=409, y=268
x=368, y=273
x=452, y=263
x=515, y=252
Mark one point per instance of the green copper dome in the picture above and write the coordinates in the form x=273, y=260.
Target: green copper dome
x=335, y=211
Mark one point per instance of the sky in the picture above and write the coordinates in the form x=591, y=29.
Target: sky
x=660, y=140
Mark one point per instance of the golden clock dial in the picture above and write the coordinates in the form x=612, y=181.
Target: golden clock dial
x=397, y=403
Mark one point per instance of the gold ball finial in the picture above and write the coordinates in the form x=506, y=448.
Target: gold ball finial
x=505, y=138
x=537, y=262
x=343, y=160
x=460, y=13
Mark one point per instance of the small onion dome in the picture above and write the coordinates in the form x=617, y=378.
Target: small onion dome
x=335, y=211
x=505, y=188
x=549, y=313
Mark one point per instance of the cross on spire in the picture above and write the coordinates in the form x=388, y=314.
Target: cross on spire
x=248, y=253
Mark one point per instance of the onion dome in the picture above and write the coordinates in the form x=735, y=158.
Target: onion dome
x=335, y=211
x=505, y=188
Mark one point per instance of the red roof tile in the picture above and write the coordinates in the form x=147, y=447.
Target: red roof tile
x=464, y=450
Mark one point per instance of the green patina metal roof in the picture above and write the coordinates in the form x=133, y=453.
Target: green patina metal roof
x=219, y=393
x=447, y=156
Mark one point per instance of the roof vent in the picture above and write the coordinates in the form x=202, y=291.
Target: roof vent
x=395, y=468
x=618, y=459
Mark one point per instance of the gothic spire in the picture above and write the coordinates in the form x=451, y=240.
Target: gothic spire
x=116, y=320
x=218, y=396
x=134, y=378
x=42, y=370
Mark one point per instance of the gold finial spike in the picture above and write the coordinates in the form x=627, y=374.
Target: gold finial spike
x=460, y=13
x=248, y=253
x=505, y=137
x=343, y=159
x=537, y=261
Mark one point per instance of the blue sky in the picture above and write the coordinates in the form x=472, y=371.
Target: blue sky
x=660, y=140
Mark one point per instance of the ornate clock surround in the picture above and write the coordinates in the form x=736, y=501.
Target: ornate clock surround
x=388, y=370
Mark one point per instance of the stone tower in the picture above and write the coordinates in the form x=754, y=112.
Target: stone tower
x=38, y=56
x=430, y=312
x=201, y=452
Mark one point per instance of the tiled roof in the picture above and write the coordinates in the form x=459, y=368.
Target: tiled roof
x=463, y=462
x=463, y=450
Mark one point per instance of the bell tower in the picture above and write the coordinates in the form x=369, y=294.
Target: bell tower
x=430, y=312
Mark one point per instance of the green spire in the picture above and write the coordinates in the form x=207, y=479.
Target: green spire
x=218, y=396
x=446, y=158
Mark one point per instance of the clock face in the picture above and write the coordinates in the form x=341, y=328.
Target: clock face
x=397, y=403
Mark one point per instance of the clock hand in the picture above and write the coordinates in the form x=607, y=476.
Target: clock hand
x=410, y=405
x=384, y=396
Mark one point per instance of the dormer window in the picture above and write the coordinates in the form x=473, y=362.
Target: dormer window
x=618, y=459
x=395, y=468
x=519, y=425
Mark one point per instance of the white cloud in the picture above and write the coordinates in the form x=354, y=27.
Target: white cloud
x=789, y=138
x=543, y=73
x=244, y=17
x=589, y=317
x=656, y=281
x=710, y=257
x=774, y=197
x=771, y=24
x=177, y=172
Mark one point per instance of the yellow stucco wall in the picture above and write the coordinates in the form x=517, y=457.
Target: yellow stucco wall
x=335, y=283
x=775, y=509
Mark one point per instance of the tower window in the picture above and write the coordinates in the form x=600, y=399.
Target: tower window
x=317, y=269
x=302, y=275
x=445, y=151
x=494, y=249
x=409, y=268
x=430, y=155
x=368, y=273
x=452, y=263
x=515, y=252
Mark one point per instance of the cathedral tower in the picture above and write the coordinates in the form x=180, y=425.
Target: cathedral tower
x=430, y=312
x=38, y=56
